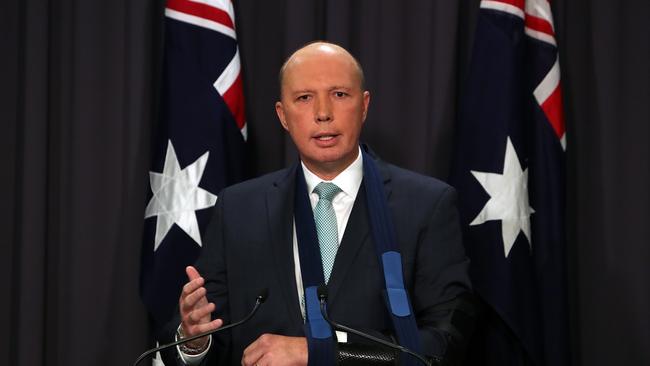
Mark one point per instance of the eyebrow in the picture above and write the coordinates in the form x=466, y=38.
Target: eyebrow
x=300, y=91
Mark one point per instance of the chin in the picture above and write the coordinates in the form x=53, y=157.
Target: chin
x=336, y=158
x=331, y=156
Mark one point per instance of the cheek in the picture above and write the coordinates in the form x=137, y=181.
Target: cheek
x=353, y=113
x=297, y=119
x=298, y=132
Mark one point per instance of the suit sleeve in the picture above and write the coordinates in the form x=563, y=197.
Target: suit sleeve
x=440, y=275
x=213, y=267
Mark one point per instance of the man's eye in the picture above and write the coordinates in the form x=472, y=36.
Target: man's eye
x=303, y=98
x=340, y=94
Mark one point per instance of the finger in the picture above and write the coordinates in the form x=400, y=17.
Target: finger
x=193, y=299
x=251, y=359
x=202, y=313
x=255, y=351
x=202, y=328
x=192, y=272
x=263, y=360
x=197, y=315
x=192, y=286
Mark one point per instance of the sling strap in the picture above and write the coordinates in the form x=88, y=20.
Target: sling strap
x=385, y=240
x=320, y=340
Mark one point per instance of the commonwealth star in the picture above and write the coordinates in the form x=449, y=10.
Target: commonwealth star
x=177, y=195
x=508, y=199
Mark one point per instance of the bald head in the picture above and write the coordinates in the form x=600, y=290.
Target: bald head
x=323, y=106
x=316, y=50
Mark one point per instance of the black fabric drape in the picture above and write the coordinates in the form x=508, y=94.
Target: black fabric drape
x=78, y=102
x=605, y=50
x=77, y=116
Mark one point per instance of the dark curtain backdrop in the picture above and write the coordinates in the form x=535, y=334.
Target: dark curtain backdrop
x=78, y=106
x=605, y=55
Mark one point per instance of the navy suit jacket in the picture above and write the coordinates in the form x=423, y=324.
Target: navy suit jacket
x=249, y=246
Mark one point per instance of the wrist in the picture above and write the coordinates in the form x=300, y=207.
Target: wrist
x=193, y=347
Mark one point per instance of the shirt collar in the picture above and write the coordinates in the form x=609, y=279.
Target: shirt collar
x=349, y=180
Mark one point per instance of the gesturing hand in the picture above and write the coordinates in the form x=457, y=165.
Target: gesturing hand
x=273, y=350
x=195, y=309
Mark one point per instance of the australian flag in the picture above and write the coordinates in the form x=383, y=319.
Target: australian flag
x=199, y=146
x=509, y=168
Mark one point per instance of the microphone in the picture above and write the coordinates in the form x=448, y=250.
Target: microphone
x=322, y=298
x=259, y=300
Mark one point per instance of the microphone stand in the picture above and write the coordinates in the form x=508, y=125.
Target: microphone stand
x=322, y=297
x=258, y=301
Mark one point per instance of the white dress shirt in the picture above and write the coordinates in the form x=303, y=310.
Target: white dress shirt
x=349, y=180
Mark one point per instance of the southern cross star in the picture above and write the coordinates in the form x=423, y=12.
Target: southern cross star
x=508, y=199
x=177, y=195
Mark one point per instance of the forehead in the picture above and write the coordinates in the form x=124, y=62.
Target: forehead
x=316, y=69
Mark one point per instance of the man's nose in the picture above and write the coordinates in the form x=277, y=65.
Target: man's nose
x=323, y=109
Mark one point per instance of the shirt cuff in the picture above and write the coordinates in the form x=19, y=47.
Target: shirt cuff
x=192, y=360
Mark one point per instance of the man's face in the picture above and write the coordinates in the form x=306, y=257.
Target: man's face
x=323, y=109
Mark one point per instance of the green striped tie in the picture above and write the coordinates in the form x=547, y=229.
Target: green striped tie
x=326, y=226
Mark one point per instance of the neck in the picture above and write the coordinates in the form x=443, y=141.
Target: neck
x=324, y=174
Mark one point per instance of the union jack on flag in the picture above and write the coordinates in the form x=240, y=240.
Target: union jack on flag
x=198, y=147
x=509, y=169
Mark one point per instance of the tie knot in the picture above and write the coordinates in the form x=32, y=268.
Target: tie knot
x=326, y=190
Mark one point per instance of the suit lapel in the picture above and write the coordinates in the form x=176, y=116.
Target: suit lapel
x=357, y=234
x=279, y=199
x=280, y=207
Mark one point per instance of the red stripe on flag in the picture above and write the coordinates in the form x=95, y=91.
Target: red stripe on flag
x=202, y=11
x=552, y=108
x=234, y=98
x=518, y=3
x=539, y=24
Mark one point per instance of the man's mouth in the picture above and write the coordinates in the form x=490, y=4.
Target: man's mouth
x=325, y=137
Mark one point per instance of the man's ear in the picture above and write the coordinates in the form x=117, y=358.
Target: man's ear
x=366, y=103
x=279, y=109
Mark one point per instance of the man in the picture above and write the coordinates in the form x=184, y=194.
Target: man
x=259, y=237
